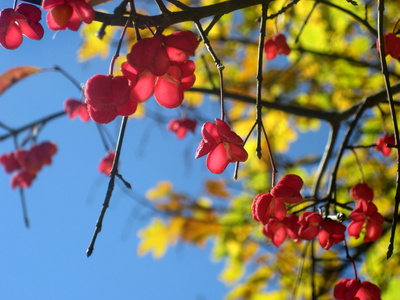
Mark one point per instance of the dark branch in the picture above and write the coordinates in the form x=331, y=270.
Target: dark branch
x=189, y=15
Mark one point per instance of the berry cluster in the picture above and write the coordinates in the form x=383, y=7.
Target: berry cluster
x=27, y=163
x=158, y=65
x=270, y=210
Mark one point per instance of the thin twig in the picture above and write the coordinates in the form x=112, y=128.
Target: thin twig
x=353, y=15
x=113, y=174
x=24, y=208
x=359, y=165
x=282, y=10
x=260, y=77
x=343, y=147
x=68, y=76
x=164, y=10
x=350, y=259
x=42, y=121
x=333, y=134
x=300, y=272
x=305, y=22
x=218, y=64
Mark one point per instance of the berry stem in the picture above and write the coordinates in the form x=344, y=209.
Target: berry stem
x=350, y=258
x=116, y=55
x=395, y=25
x=359, y=164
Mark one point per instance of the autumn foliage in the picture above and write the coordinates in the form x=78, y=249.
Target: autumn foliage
x=302, y=218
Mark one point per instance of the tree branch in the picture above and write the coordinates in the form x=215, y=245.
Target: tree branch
x=189, y=15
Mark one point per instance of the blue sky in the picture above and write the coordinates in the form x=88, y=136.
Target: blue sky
x=48, y=260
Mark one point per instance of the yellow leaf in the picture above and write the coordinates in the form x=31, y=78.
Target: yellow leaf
x=153, y=239
x=233, y=271
x=92, y=46
x=161, y=190
x=172, y=205
x=175, y=229
x=194, y=99
x=158, y=236
x=12, y=76
x=140, y=111
x=217, y=188
x=197, y=231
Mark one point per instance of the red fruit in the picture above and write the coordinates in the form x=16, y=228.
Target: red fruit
x=75, y=108
x=108, y=97
x=23, y=179
x=392, y=45
x=24, y=20
x=181, y=126
x=288, y=189
x=180, y=45
x=68, y=14
x=382, y=142
x=362, y=192
x=29, y=161
x=366, y=215
x=9, y=162
x=222, y=145
x=331, y=232
x=106, y=163
x=368, y=291
x=169, y=88
x=62, y=14
x=266, y=206
x=309, y=225
x=44, y=152
x=276, y=231
x=292, y=226
x=346, y=289
x=149, y=54
x=276, y=45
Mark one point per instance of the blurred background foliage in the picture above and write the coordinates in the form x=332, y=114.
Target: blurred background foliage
x=333, y=65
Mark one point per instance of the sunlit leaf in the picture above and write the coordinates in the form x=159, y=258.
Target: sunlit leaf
x=91, y=45
x=14, y=75
x=158, y=236
x=233, y=271
x=161, y=190
x=153, y=239
x=217, y=188
x=198, y=231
